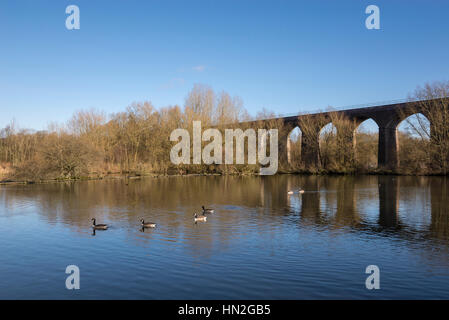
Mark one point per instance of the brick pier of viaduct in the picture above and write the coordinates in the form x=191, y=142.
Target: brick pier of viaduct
x=387, y=117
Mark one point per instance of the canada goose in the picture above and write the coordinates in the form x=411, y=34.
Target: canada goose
x=99, y=226
x=197, y=217
x=147, y=224
x=207, y=211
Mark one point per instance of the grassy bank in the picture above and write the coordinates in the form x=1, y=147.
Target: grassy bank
x=93, y=145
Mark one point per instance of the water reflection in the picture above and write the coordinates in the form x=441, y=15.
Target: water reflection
x=337, y=202
x=388, y=201
x=439, y=226
x=255, y=223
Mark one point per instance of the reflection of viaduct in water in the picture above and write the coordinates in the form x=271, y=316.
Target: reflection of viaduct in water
x=344, y=197
x=439, y=192
x=388, y=201
x=346, y=206
x=310, y=206
x=387, y=117
x=328, y=201
x=342, y=192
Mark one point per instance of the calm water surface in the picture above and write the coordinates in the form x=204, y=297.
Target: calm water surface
x=260, y=243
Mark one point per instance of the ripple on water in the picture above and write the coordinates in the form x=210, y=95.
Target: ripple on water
x=260, y=243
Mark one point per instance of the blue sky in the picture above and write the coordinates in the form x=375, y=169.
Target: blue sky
x=286, y=56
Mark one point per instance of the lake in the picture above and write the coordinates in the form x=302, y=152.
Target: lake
x=260, y=243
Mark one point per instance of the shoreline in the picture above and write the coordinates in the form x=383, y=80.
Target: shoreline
x=153, y=175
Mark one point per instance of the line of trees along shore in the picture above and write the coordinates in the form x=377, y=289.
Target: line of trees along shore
x=137, y=141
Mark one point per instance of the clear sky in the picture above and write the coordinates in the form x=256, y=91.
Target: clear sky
x=286, y=56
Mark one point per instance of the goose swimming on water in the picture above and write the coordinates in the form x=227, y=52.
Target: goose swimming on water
x=207, y=211
x=147, y=224
x=197, y=217
x=98, y=226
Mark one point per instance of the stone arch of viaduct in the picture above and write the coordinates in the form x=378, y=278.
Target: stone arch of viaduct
x=387, y=117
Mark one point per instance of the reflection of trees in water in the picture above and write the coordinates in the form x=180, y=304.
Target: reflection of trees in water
x=257, y=203
x=310, y=202
x=340, y=201
x=347, y=213
x=439, y=227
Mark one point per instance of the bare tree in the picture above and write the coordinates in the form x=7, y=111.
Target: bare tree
x=199, y=103
x=432, y=101
x=137, y=140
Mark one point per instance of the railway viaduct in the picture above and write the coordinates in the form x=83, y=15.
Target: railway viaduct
x=388, y=117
